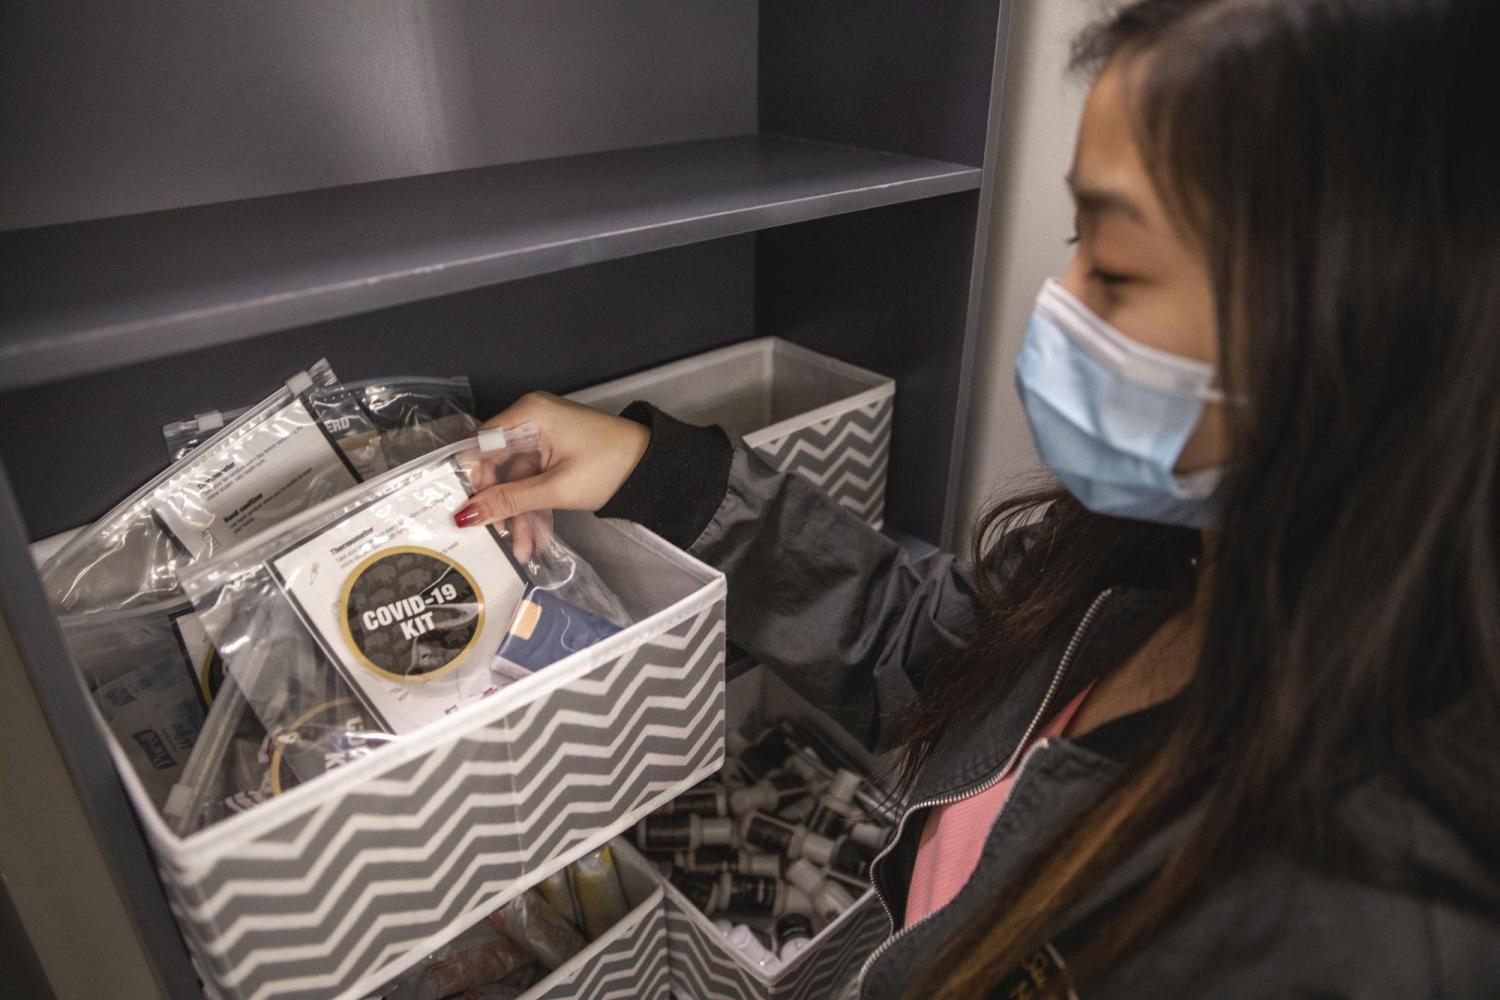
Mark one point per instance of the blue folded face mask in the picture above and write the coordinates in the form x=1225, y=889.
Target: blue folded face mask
x=1110, y=416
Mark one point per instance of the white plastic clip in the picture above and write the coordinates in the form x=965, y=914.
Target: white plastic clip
x=210, y=421
x=299, y=383
x=492, y=439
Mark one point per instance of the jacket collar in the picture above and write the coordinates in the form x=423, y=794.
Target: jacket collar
x=975, y=748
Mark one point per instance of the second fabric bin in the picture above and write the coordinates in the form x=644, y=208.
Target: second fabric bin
x=702, y=964
x=804, y=412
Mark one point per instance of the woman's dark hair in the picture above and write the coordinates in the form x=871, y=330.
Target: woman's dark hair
x=1339, y=163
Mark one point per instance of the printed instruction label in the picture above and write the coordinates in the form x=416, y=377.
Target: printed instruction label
x=409, y=606
x=274, y=469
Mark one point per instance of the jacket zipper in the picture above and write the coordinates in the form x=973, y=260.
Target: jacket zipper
x=1063, y=663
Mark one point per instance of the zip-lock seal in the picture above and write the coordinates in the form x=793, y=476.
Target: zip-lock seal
x=410, y=416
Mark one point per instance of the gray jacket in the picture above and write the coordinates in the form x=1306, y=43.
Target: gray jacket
x=838, y=611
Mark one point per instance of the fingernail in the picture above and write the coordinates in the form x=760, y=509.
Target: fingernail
x=470, y=514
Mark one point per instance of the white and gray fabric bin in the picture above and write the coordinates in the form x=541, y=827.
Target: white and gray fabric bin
x=824, y=419
x=630, y=960
x=703, y=966
x=341, y=883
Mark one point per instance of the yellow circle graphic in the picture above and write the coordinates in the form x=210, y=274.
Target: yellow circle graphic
x=410, y=614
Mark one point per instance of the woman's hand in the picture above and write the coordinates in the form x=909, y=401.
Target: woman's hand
x=585, y=457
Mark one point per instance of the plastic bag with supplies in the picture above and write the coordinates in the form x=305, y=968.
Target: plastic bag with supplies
x=304, y=443
x=411, y=414
x=144, y=685
x=376, y=609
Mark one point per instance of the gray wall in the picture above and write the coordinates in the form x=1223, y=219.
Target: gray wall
x=109, y=109
x=1030, y=219
x=48, y=854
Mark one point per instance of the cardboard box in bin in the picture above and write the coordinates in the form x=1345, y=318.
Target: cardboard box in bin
x=340, y=884
x=804, y=412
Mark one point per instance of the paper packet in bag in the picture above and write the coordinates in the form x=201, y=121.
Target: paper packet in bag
x=144, y=684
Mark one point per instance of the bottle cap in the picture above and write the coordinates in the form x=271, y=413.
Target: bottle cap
x=718, y=830
x=743, y=800
x=792, y=926
x=793, y=948
x=834, y=899
x=767, y=865
x=794, y=900
x=804, y=876
x=843, y=786
x=818, y=850
x=743, y=940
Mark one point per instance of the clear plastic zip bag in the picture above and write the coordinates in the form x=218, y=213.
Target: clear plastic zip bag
x=228, y=770
x=237, y=764
x=304, y=443
x=378, y=597
x=411, y=414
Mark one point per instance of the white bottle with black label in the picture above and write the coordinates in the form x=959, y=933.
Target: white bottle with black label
x=758, y=831
x=794, y=934
x=836, y=811
x=828, y=898
x=684, y=832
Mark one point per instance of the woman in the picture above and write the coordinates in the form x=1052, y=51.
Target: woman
x=1222, y=717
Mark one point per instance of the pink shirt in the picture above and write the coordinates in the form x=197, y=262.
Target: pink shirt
x=954, y=835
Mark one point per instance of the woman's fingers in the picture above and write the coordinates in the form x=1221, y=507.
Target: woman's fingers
x=527, y=409
x=522, y=542
x=503, y=501
x=530, y=534
x=584, y=457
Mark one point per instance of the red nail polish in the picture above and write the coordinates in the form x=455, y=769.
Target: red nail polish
x=471, y=514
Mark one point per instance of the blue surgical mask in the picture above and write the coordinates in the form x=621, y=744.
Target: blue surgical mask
x=1110, y=416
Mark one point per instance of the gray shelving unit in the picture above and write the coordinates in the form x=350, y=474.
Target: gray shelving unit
x=200, y=199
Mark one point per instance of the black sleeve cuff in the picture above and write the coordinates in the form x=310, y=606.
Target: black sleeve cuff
x=680, y=480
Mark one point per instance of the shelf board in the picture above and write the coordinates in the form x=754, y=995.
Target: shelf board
x=90, y=296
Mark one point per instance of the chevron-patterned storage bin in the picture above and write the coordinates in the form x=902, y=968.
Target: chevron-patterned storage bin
x=702, y=964
x=340, y=884
x=805, y=412
x=703, y=967
x=631, y=959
